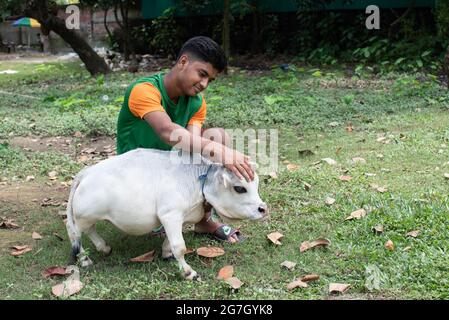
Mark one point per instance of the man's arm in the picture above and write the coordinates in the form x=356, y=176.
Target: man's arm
x=175, y=135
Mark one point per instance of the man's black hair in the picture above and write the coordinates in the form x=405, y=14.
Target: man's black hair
x=206, y=50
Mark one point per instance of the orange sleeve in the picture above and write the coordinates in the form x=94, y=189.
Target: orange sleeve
x=200, y=116
x=144, y=98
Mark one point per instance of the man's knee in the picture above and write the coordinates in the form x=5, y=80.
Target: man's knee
x=216, y=134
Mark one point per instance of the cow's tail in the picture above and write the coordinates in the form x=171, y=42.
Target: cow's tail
x=72, y=229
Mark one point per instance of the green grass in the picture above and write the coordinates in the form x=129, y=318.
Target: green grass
x=411, y=110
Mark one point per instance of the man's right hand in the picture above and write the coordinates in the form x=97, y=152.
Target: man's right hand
x=238, y=163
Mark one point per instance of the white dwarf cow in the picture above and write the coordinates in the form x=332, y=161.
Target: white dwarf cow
x=142, y=189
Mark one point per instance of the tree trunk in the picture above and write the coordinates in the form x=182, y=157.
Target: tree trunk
x=38, y=9
x=446, y=66
x=226, y=32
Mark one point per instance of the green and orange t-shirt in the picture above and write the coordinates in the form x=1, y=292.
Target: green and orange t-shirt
x=146, y=95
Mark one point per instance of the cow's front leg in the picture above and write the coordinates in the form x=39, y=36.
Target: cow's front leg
x=172, y=222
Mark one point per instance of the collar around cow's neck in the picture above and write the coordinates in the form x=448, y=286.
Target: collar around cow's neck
x=203, y=178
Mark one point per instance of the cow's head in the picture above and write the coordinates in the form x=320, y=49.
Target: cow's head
x=234, y=198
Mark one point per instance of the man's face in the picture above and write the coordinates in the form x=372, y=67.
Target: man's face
x=195, y=75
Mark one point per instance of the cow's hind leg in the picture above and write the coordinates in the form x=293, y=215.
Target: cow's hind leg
x=172, y=222
x=98, y=241
x=77, y=249
x=166, y=250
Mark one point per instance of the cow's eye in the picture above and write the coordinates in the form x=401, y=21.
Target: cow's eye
x=239, y=189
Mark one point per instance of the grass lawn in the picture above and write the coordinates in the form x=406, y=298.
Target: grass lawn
x=52, y=113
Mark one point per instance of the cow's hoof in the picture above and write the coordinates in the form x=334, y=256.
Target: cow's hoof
x=192, y=276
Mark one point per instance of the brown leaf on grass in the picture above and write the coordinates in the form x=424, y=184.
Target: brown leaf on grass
x=48, y=202
x=329, y=201
x=338, y=150
x=295, y=284
x=77, y=134
x=378, y=228
x=210, y=252
x=329, y=161
x=146, y=257
x=273, y=175
x=67, y=288
x=358, y=160
x=288, y=264
x=379, y=188
x=292, y=167
x=321, y=242
x=8, y=224
x=58, y=236
x=307, y=186
x=345, y=178
x=234, y=282
x=389, y=245
x=349, y=128
x=309, y=277
x=36, y=236
x=52, y=175
x=54, y=271
x=338, y=287
x=19, y=250
x=413, y=233
x=29, y=178
x=407, y=248
x=189, y=250
x=274, y=237
x=225, y=272
x=357, y=214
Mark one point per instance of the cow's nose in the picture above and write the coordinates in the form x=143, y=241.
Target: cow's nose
x=263, y=208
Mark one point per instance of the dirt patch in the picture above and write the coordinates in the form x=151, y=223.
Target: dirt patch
x=71, y=146
x=22, y=196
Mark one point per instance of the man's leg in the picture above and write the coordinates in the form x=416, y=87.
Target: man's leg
x=207, y=225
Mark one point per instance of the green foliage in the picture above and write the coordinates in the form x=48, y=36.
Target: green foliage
x=166, y=32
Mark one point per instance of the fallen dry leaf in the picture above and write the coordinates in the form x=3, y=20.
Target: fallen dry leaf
x=67, y=288
x=77, y=134
x=54, y=271
x=345, y=178
x=146, y=257
x=189, y=250
x=407, y=248
x=225, y=272
x=378, y=229
x=306, y=245
x=273, y=175
x=307, y=186
x=349, y=128
x=389, y=245
x=292, y=167
x=309, y=277
x=358, y=160
x=329, y=201
x=297, y=283
x=288, y=264
x=338, y=150
x=53, y=175
x=379, y=188
x=8, y=224
x=36, y=236
x=234, y=282
x=19, y=250
x=413, y=233
x=210, y=252
x=338, y=287
x=274, y=237
x=58, y=236
x=329, y=161
x=48, y=202
x=29, y=178
x=356, y=214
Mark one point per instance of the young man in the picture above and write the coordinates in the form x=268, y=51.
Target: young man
x=165, y=110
